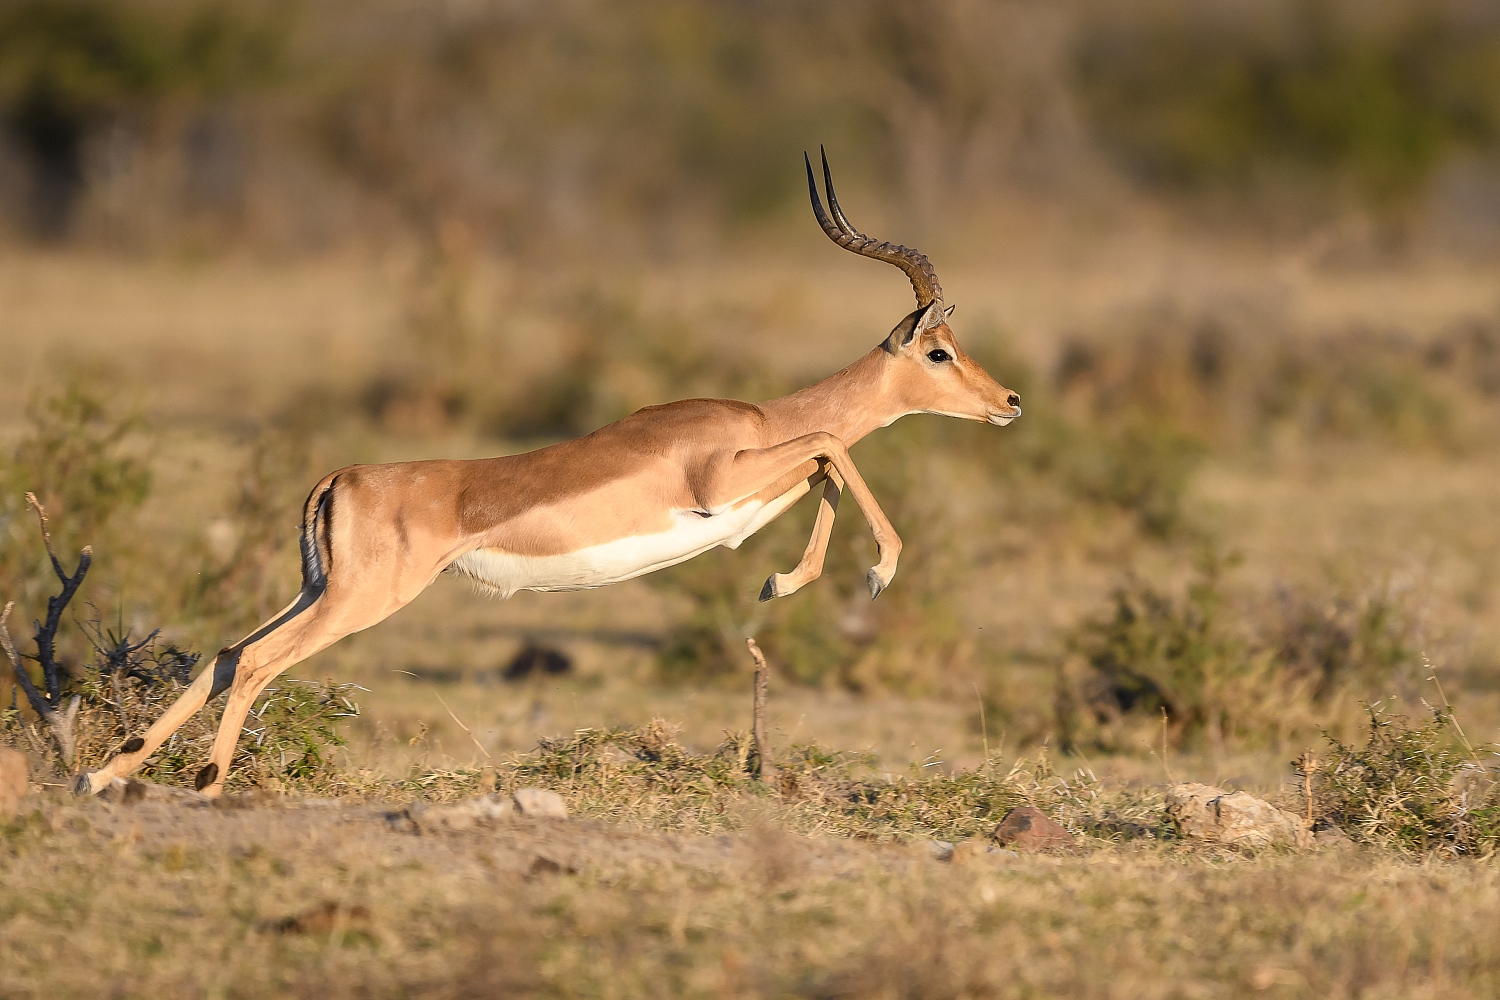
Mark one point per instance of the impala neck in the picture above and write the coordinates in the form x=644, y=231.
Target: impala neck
x=847, y=404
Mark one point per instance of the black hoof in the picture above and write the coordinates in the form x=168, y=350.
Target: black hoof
x=876, y=586
x=82, y=787
x=207, y=776
x=769, y=590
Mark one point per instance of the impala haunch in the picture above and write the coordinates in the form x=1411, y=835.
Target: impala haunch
x=646, y=492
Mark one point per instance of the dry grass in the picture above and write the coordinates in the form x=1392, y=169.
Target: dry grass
x=1271, y=440
x=162, y=900
x=817, y=891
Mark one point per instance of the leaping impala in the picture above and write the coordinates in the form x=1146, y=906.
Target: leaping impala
x=646, y=492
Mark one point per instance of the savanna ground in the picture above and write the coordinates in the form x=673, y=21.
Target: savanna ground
x=1252, y=508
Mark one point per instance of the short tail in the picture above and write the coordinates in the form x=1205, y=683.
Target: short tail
x=316, y=539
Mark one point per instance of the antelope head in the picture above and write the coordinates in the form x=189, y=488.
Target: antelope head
x=926, y=369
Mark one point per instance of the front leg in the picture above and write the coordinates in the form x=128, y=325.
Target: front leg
x=811, y=566
x=748, y=472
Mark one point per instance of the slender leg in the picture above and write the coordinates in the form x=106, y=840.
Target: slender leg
x=811, y=566
x=261, y=663
x=252, y=664
x=339, y=612
x=198, y=693
x=748, y=472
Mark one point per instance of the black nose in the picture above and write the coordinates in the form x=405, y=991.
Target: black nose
x=1013, y=399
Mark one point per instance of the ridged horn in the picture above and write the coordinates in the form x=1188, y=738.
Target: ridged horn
x=924, y=279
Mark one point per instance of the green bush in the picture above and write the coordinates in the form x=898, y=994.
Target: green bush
x=1418, y=788
x=1335, y=92
x=1217, y=666
x=82, y=459
x=75, y=455
x=68, y=68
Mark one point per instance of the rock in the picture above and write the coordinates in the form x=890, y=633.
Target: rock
x=458, y=815
x=539, y=803
x=1027, y=828
x=1204, y=812
x=419, y=817
x=940, y=850
x=13, y=769
x=1327, y=836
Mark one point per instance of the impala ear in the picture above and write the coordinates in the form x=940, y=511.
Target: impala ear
x=907, y=330
x=948, y=311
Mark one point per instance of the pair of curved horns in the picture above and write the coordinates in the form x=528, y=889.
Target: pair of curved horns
x=924, y=279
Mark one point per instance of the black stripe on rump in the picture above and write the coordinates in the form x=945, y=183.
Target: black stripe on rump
x=228, y=660
x=315, y=555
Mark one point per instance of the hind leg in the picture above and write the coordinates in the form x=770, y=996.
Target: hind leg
x=207, y=685
x=309, y=625
x=264, y=660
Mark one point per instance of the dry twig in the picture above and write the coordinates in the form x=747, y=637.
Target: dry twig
x=49, y=706
x=1306, y=765
x=765, y=769
x=455, y=718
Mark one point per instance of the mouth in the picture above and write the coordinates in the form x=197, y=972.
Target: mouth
x=1001, y=419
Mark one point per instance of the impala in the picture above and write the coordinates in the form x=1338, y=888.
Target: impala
x=646, y=492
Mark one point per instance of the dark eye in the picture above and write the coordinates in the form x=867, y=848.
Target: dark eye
x=939, y=356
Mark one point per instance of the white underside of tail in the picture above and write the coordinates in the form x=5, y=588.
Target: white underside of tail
x=691, y=533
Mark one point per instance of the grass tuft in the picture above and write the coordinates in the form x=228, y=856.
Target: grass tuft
x=1415, y=788
x=644, y=778
x=290, y=740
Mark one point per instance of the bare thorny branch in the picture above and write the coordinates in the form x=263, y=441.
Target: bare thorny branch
x=49, y=706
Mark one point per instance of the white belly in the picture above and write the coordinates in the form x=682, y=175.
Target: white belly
x=625, y=558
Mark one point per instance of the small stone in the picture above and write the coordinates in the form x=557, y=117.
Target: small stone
x=940, y=850
x=1205, y=812
x=13, y=769
x=463, y=815
x=1027, y=828
x=539, y=803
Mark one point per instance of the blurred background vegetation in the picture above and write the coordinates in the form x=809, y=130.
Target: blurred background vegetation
x=1237, y=256
x=295, y=125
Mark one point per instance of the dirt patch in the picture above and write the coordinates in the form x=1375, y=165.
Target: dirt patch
x=266, y=897
x=509, y=844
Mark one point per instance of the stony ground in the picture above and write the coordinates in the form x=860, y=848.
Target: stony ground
x=281, y=897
